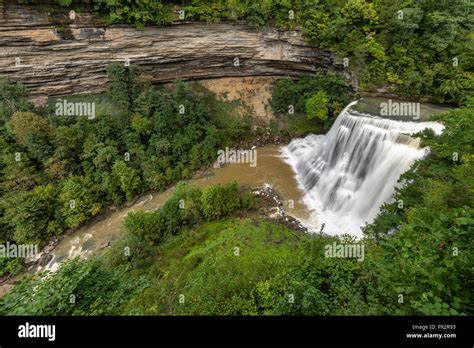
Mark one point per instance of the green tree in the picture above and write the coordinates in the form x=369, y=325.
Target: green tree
x=78, y=201
x=219, y=200
x=31, y=215
x=127, y=177
x=317, y=106
x=123, y=85
x=25, y=123
x=138, y=12
x=13, y=98
x=18, y=175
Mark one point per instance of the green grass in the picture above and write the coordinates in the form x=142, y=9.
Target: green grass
x=298, y=126
x=202, y=264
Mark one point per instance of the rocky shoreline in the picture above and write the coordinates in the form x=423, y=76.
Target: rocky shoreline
x=272, y=208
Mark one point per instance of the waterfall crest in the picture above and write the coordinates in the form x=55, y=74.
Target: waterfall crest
x=351, y=171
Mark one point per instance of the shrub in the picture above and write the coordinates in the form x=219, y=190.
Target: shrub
x=219, y=200
x=78, y=288
x=13, y=98
x=317, y=106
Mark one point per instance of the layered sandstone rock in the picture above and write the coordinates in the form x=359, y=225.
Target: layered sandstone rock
x=55, y=56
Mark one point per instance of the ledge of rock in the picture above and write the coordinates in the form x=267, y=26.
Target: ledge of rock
x=57, y=60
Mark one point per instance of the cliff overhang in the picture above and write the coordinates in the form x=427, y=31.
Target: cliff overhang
x=54, y=60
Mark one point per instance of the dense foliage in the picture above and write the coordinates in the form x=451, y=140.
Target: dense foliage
x=220, y=267
x=188, y=206
x=78, y=288
x=419, y=48
x=320, y=96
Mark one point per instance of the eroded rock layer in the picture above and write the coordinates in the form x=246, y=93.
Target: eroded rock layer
x=55, y=56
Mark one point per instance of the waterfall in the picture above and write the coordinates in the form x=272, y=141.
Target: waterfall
x=351, y=171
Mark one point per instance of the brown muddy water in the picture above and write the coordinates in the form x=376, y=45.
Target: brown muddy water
x=271, y=169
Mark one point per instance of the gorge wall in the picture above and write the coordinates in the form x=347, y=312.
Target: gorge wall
x=55, y=56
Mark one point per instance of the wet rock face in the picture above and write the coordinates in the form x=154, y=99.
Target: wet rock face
x=44, y=259
x=54, y=59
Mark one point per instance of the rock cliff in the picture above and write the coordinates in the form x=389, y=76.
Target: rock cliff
x=56, y=56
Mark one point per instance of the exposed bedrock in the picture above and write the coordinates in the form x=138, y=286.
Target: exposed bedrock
x=55, y=57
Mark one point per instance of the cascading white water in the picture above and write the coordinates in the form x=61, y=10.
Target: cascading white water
x=351, y=171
